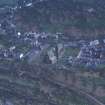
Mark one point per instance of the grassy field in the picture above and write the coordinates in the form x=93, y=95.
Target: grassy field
x=71, y=52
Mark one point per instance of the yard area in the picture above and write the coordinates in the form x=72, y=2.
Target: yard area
x=71, y=52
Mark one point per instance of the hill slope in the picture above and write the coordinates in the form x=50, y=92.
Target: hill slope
x=67, y=16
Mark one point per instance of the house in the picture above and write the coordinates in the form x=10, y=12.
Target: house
x=56, y=52
x=52, y=56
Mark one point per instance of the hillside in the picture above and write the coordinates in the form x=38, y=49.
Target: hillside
x=73, y=17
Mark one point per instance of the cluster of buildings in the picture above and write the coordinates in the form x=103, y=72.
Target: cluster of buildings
x=95, y=50
x=18, y=44
x=90, y=55
x=15, y=44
